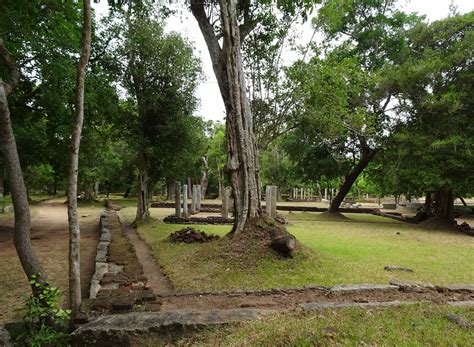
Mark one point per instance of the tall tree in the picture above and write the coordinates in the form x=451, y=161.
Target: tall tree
x=11, y=160
x=236, y=20
x=369, y=35
x=434, y=147
x=160, y=74
x=74, y=229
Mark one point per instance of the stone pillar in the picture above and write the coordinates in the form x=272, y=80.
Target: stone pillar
x=198, y=198
x=185, y=200
x=190, y=187
x=268, y=200
x=274, y=196
x=177, y=198
x=193, y=199
x=225, y=203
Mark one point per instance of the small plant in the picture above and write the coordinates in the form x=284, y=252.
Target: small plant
x=45, y=319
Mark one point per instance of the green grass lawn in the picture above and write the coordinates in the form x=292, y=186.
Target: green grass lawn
x=414, y=325
x=354, y=250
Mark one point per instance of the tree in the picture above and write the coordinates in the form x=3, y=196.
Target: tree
x=345, y=98
x=434, y=148
x=74, y=229
x=160, y=75
x=242, y=152
x=11, y=160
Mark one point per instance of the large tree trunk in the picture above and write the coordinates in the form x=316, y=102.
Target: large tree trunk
x=74, y=231
x=143, y=203
x=170, y=190
x=350, y=179
x=444, y=204
x=22, y=241
x=8, y=149
x=242, y=153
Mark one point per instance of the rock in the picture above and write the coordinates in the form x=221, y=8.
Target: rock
x=106, y=235
x=102, y=248
x=102, y=304
x=117, y=329
x=124, y=303
x=5, y=337
x=81, y=318
x=397, y=268
x=457, y=288
x=412, y=286
x=325, y=305
x=460, y=321
x=145, y=296
x=8, y=209
x=362, y=288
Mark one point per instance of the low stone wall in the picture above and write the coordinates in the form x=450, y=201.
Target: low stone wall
x=118, y=284
x=101, y=264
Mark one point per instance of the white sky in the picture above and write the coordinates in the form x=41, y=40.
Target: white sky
x=212, y=106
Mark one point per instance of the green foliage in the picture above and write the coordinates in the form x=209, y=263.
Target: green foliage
x=434, y=147
x=44, y=317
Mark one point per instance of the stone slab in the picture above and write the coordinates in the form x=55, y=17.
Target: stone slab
x=412, y=285
x=119, y=327
x=362, y=288
x=324, y=305
x=460, y=288
x=5, y=337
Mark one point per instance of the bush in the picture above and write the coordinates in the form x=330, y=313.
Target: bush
x=44, y=318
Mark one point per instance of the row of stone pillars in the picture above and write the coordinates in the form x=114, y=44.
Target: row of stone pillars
x=195, y=200
x=302, y=193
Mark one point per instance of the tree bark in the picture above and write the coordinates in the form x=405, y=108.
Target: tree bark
x=74, y=230
x=428, y=202
x=28, y=259
x=8, y=149
x=444, y=204
x=170, y=191
x=143, y=203
x=242, y=152
x=463, y=201
x=350, y=179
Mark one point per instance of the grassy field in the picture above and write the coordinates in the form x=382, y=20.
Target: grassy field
x=354, y=250
x=416, y=325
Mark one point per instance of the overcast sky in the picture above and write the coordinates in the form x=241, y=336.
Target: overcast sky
x=212, y=106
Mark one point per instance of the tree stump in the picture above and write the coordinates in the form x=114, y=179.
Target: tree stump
x=284, y=244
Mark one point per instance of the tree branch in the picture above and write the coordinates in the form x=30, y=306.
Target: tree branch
x=11, y=68
x=197, y=8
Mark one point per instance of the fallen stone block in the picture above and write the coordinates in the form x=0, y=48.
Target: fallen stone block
x=412, y=286
x=117, y=329
x=5, y=337
x=324, y=305
x=106, y=236
x=362, y=288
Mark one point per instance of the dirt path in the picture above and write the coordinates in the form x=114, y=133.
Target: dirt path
x=155, y=277
x=49, y=235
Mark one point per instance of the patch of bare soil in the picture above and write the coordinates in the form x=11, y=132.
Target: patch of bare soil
x=155, y=277
x=283, y=299
x=439, y=223
x=49, y=235
x=334, y=217
x=248, y=248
